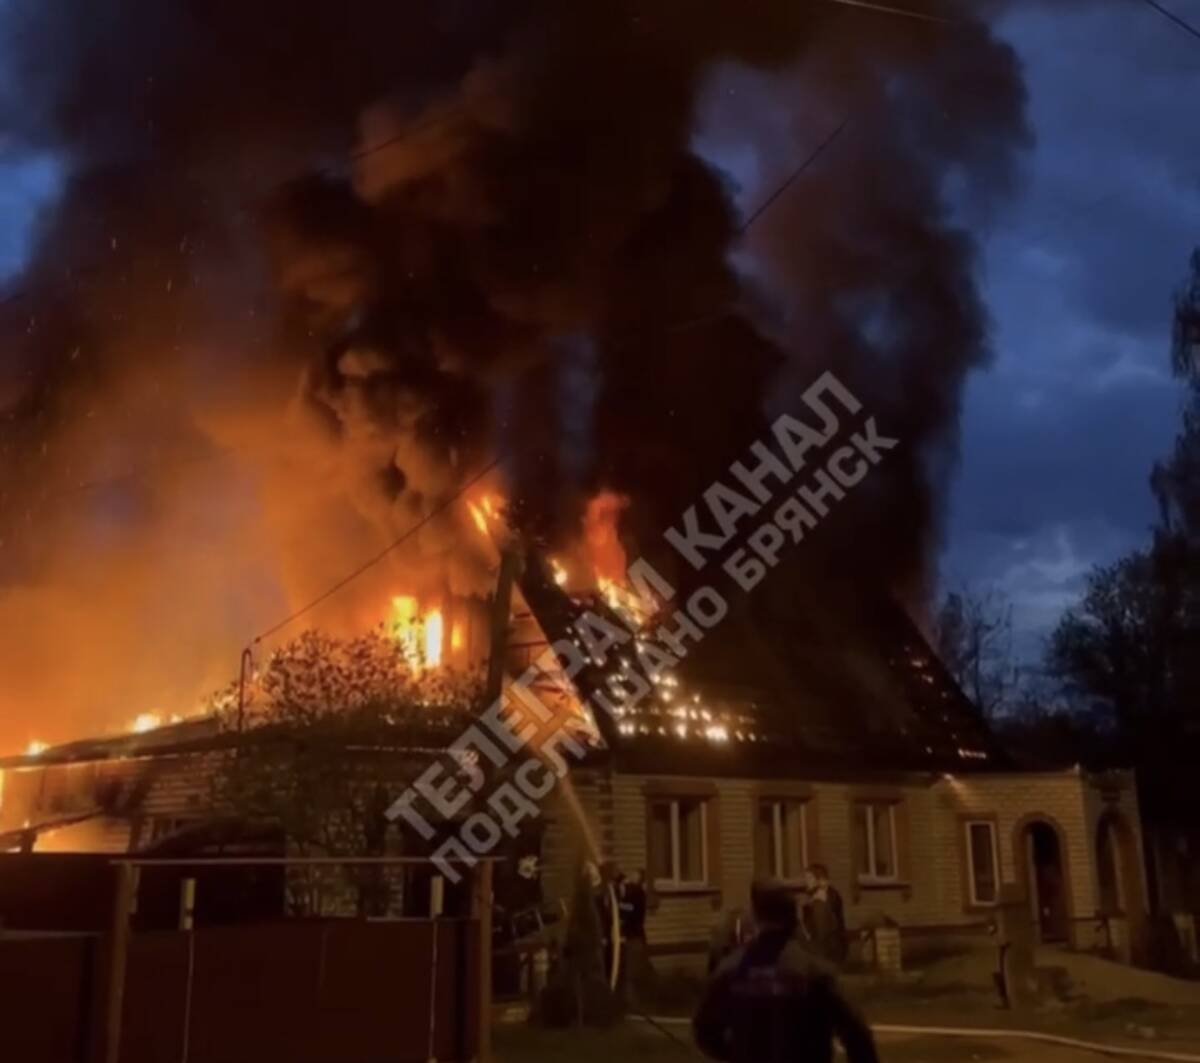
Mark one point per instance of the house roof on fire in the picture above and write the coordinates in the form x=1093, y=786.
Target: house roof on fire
x=773, y=691
x=768, y=693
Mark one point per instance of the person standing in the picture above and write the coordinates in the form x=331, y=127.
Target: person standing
x=825, y=915
x=773, y=1001
x=631, y=903
x=636, y=971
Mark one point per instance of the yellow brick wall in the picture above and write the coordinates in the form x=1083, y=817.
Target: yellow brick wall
x=1075, y=801
x=932, y=893
x=614, y=811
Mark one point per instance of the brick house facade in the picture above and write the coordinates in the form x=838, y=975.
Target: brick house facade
x=952, y=843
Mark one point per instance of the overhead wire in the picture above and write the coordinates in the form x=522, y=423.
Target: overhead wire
x=1166, y=13
x=371, y=562
x=887, y=9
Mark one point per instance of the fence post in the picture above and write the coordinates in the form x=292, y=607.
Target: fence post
x=114, y=955
x=481, y=904
x=187, y=903
x=187, y=922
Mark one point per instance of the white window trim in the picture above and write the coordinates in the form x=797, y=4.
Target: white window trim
x=972, y=886
x=675, y=881
x=869, y=875
x=777, y=838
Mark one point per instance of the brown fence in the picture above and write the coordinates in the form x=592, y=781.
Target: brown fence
x=55, y=891
x=344, y=991
x=46, y=997
x=294, y=991
x=301, y=992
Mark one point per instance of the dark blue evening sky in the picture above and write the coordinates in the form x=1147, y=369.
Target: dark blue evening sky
x=1060, y=434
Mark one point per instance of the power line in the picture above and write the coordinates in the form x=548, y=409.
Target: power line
x=452, y=110
x=903, y=12
x=1179, y=21
x=707, y=319
x=794, y=175
x=372, y=562
x=757, y=214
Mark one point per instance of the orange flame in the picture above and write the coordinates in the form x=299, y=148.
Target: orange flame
x=487, y=513
x=601, y=519
x=624, y=601
x=420, y=636
x=434, y=625
x=477, y=515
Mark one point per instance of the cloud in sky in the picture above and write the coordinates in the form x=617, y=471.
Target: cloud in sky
x=27, y=186
x=1059, y=436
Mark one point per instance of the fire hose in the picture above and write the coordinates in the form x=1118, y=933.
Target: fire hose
x=662, y=1021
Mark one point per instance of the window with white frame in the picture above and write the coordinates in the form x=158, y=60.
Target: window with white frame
x=875, y=825
x=781, y=838
x=678, y=841
x=983, y=867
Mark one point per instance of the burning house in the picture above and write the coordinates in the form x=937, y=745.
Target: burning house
x=767, y=750
x=277, y=320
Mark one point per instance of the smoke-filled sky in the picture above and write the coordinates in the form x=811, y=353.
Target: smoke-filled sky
x=261, y=357
x=1060, y=431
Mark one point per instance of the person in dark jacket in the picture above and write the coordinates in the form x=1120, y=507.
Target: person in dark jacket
x=631, y=903
x=637, y=974
x=825, y=915
x=773, y=1001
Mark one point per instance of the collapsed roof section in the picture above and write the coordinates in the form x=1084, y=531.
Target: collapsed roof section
x=858, y=688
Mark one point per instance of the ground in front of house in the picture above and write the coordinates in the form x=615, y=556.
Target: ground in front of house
x=1083, y=996
x=640, y=1043
x=1086, y=997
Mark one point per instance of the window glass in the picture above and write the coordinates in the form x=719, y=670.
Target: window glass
x=885, y=859
x=764, y=839
x=862, y=840
x=691, y=840
x=659, y=842
x=983, y=862
x=791, y=822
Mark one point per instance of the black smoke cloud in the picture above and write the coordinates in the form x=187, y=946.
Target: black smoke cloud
x=315, y=263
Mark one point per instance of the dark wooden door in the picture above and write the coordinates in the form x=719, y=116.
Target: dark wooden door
x=1048, y=884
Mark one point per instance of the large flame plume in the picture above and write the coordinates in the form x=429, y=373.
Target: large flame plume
x=274, y=320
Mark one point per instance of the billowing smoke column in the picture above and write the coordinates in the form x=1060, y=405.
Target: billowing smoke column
x=314, y=265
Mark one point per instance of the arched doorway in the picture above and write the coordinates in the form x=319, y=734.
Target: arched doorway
x=1040, y=856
